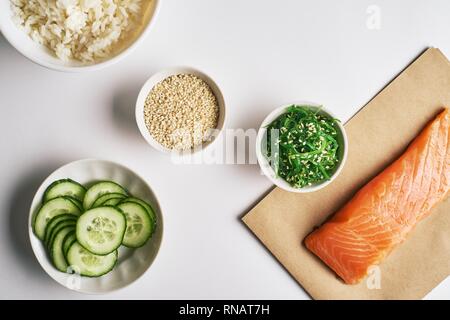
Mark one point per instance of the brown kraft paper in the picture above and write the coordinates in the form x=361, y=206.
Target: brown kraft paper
x=378, y=134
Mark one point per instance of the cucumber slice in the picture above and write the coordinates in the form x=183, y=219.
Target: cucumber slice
x=101, y=230
x=56, y=229
x=139, y=225
x=69, y=239
x=50, y=209
x=147, y=207
x=64, y=187
x=56, y=249
x=99, y=189
x=102, y=199
x=77, y=202
x=54, y=222
x=88, y=264
x=113, y=202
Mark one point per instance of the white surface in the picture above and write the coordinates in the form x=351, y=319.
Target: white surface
x=265, y=165
x=262, y=54
x=132, y=263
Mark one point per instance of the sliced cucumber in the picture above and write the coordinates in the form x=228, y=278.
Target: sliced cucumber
x=107, y=196
x=99, y=189
x=56, y=249
x=88, y=264
x=113, y=202
x=57, y=228
x=101, y=230
x=50, y=209
x=139, y=224
x=147, y=207
x=88, y=241
x=69, y=239
x=54, y=222
x=64, y=187
x=77, y=202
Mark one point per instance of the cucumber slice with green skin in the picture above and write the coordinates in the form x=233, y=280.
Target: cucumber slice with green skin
x=56, y=249
x=99, y=189
x=101, y=230
x=147, y=207
x=69, y=239
x=88, y=264
x=107, y=196
x=56, y=229
x=113, y=202
x=77, y=202
x=54, y=222
x=139, y=225
x=50, y=209
x=64, y=187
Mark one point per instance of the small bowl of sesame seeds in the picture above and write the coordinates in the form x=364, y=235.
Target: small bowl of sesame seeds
x=301, y=147
x=180, y=111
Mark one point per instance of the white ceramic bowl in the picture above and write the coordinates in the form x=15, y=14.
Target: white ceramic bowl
x=268, y=170
x=132, y=263
x=158, y=77
x=44, y=57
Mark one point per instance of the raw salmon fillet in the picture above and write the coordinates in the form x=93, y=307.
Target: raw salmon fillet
x=381, y=215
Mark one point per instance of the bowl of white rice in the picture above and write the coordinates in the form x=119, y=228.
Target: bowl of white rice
x=76, y=35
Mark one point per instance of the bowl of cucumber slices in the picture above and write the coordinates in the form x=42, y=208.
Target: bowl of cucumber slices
x=95, y=226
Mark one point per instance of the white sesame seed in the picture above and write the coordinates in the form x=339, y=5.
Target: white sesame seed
x=180, y=111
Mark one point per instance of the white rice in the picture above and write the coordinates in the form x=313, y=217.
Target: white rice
x=84, y=30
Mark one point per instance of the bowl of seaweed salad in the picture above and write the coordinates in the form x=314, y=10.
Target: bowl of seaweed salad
x=301, y=147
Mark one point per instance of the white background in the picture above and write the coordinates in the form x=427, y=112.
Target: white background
x=262, y=53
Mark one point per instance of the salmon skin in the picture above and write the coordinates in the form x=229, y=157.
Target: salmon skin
x=380, y=215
